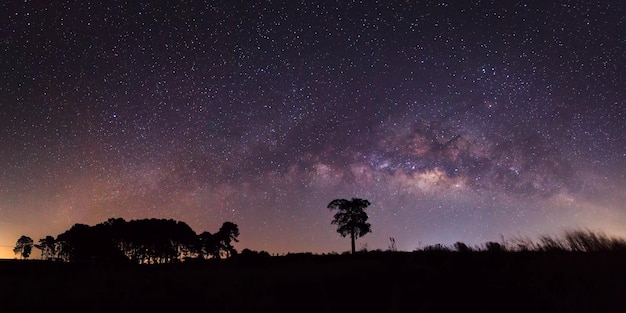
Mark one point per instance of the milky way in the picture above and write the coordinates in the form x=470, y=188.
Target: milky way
x=461, y=121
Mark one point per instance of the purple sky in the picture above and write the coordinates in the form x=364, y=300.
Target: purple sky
x=461, y=121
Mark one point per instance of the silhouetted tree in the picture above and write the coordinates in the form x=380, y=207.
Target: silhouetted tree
x=77, y=244
x=145, y=241
x=154, y=240
x=184, y=239
x=225, y=236
x=24, y=247
x=351, y=218
x=89, y=244
x=208, y=245
x=48, y=247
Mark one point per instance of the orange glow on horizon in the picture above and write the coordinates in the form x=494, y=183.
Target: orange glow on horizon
x=6, y=252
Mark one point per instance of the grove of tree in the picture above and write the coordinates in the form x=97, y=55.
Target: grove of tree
x=144, y=241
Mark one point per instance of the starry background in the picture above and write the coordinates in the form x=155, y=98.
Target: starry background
x=460, y=121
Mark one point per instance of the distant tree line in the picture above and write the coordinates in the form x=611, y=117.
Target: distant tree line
x=145, y=241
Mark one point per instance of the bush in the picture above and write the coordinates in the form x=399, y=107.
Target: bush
x=462, y=247
x=493, y=246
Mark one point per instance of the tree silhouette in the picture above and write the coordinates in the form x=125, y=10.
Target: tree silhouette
x=225, y=236
x=208, y=245
x=81, y=243
x=218, y=244
x=24, y=247
x=48, y=247
x=145, y=241
x=151, y=240
x=351, y=218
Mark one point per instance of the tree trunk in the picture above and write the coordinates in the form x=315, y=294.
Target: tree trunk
x=352, y=237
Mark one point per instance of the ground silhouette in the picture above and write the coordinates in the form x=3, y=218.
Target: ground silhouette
x=422, y=281
x=120, y=266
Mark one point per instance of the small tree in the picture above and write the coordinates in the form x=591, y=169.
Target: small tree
x=351, y=218
x=24, y=247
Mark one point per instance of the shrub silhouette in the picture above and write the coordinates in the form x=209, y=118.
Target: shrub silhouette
x=462, y=247
x=493, y=246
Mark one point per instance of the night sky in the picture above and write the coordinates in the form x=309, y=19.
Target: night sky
x=458, y=120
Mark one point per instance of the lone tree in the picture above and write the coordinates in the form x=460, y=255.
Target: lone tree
x=351, y=218
x=24, y=247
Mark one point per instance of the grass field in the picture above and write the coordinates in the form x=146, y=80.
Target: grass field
x=436, y=281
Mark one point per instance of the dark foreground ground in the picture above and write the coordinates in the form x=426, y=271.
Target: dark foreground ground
x=372, y=282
